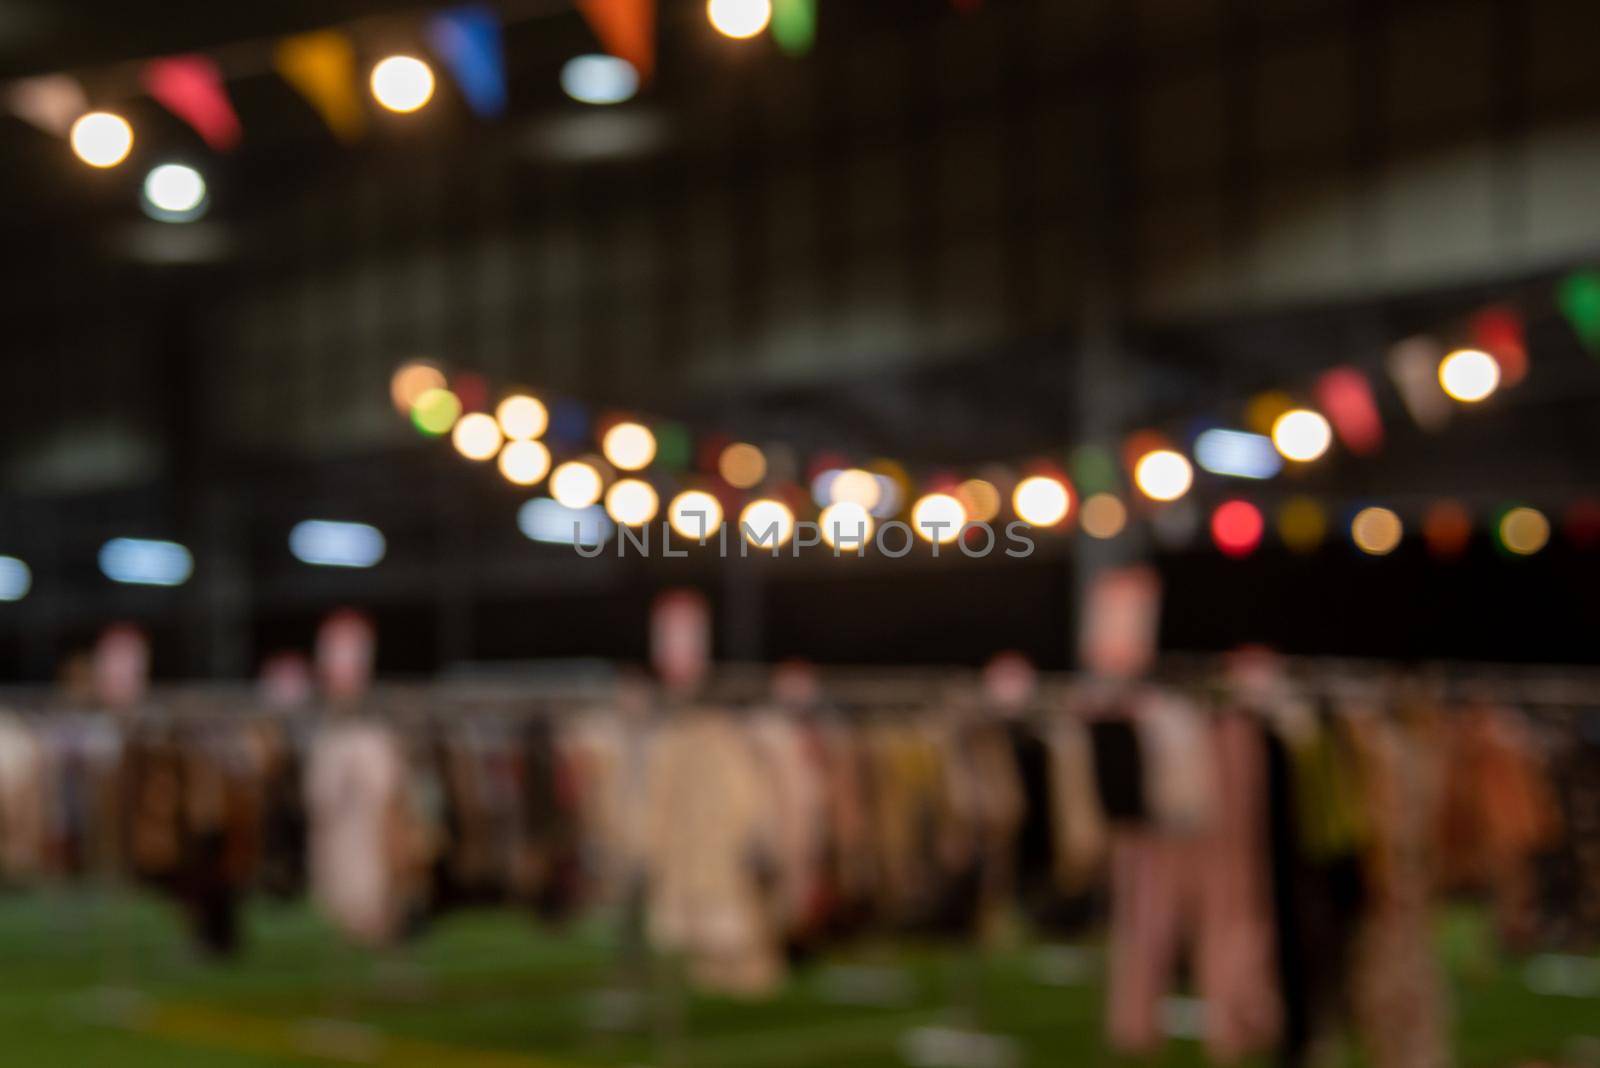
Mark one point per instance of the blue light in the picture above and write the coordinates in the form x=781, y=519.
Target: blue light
x=549, y=521
x=142, y=562
x=1237, y=454
x=327, y=543
x=599, y=79
x=15, y=579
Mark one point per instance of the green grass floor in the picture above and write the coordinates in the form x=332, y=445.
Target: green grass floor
x=100, y=979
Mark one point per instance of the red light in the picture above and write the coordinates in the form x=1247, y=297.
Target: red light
x=1236, y=527
x=1498, y=331
x=1345, y=395
x=1582, y=524
x=1447, y=528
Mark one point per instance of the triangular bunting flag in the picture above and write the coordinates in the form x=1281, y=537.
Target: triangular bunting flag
x=191, y=87
x=626, y=28
x=468, y=40
x=52, y=102
x=322, y=68
x=794, y=25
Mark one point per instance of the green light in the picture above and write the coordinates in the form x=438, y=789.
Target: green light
x=1579, y=297
x=436, y=411
x=794, y=25
x=674, y=448
x=1094, y=470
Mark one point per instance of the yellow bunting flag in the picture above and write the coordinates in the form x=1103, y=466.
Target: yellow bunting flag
x=322, y=67
x=626, y=29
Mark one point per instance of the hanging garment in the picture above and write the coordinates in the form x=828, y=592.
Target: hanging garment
x=711, y=820
x=1397, y=990
x=1118, y=769
x=22, y=802
x=1079, y=824
x=1205, y=888
x=360, y=842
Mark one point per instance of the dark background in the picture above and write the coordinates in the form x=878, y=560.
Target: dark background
x=947, y=239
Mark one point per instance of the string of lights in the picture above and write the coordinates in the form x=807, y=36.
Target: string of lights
x=708, y=478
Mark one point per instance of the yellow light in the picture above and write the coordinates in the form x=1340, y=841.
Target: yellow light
x=742, y=465
x=695, y=514
x=1524, y=531
x=1302, y=524
x=1263, y=410
x=412, y=380
x=436, y=411
x=101, y=139
x=575, y=484
x=979, y=498
x=631, y=502
x=629, y=446
x=1468, y=375
x=402, y=83
x=1041, y=501
x=1301, y=434
x=1376, y=531
x=1103, y=516
x=938, y=518
x=476, y=436
x=1163, y=475
x=846, y=526
x=855, y=486
x=739, y=19
x=524, y=462
x=522, y=417
x=766, y=523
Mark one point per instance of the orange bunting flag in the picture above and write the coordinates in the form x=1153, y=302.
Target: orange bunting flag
x=626, y=29
x=322, y=68
x=191, y=87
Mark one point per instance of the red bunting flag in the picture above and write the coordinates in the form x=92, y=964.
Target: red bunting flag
x=191, y=87
x=1498, y=331
x=626, y=29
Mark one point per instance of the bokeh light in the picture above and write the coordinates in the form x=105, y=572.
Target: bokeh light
x=476, y=436
x=1163, y=475
x=1041, y=501
x=1301, y=434
x=766, y=523
x=630, y=446
x=938, y=518
x=16, y=579
x=1446, y=529
x=1524, y=531
x=1103, y=515
x=402, y=83
x=1469, y=375
x=694, y=514
x=632, y=502
x=1302, y=524
x=846, y=526
x=739, y=19
x=174, y=192
x=1237, y=454
x=1581, y=524
x=979, y=498
x=742, y=465
x=410, y=381
x=1236, y=528
x=101, y=139
x=599, y=79
x=1093, y=469
x=522, y=417
x=436, y=411
x=524, y=463
x=575, y=484
x=1376, y=531
x=855, y=486
x=1263, y=410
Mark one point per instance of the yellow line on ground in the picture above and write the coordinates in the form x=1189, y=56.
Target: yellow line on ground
x=317, y=1041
